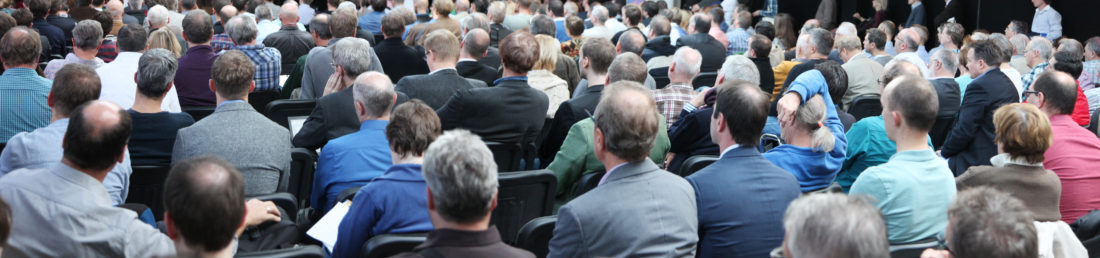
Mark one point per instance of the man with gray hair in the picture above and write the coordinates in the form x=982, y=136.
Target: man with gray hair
x=627, y=67
x=1003, y=45
x=683, y=69
x=291, y=42
x=159, y=18
x=655, y=211
x=943, y=64
x=815, y=45
x=154, y=130
x=1090, y=69
x=116, y=10
x=267, y=61
x=985, y=222
x=1037, y=53
x=905, y=43
x=834, y=225
x=1019, y=48
x=265, y=23
x=318, y=65
x=496, y=15
x=598, y=15
x=690, y=135
x=712, y=51
x=863, y=73
x=87, y=35
x=131, y=44
x=491, y=57
x=462, y=193
x=175, y=19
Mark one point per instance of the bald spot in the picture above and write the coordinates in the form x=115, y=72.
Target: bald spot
x=100, y=115
x=289, y=11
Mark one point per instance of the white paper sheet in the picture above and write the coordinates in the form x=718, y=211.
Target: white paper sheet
x=326, y=229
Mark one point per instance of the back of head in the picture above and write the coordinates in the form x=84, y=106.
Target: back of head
x=412, y=127
x=766, y=29
x=73, y=85
x=955, y=32
x=375, y=92
x=476, y=21
x=105, y=22
x=745, y=108
x=543, y=25
x=461, y=175
x=241, y=29
x=39, y=8
x=443, y=44
x=836, y=77
x=632, y=41
x=1023, y=131
x=1018, y=26
x=813, y=221
x=876, y=37
x=22, y=16
x=87, y=34
x=497, y=11
x=701, y=23
x=476, y=42
x=627, y=117
x=821, y=39
x=1003, y=45
x=688, y=61
x=574, y=26
x=156, y=69
x=548, y=53
x=232, y=74
x=556, y=7
x=627, y=67
x=599, y=53
x=739, y=67
x=1071, y=45
x=987, y=51
x=811, y=116
x=598, y=14
x=915, y=99
x=443, y=8
x=20, y=46
x=185, y=4
x=846, y=29
x=659, y=26
x=519, y=52
x=633, y=15
x=1019, y=43
x=157, y=16
x=760, y=44
x=849, y=42
x=163, y=38
x=263, y=13
x=226, y=12
x=6, y=23
x=378, y=5
x=342, y=23
x=97, y=135
x=744, y=19
x=896, y=69
x=947, y=58
x=353, y=55
x=1059, y=91
x=651, y=8
x=985, y=222
x=393, y=26
x=132, y=38
x=319, y=26
x=1068, y=61
x=197, y=27
x=204, y=200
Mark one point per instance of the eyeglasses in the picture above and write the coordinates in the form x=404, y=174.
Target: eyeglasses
x=1029, y=93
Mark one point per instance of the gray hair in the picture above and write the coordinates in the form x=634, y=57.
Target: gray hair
x=1019, y=43
x=985, y=222
x=134, y=4
x=375, y=91
x=627, y=66
x=813, y=223
x=947, y=58
x=1003, y=45
x=846, y=29
x=1042, y=45
x=570, y=8
x=462, y=176
x=353, y=54
x=849, y=42
x=87, y=34
x=821, y=39
x=157, y=16
x=263, y=13
x=599, y=14
x=156, y=69
x=241, y=29
x=909, y=39
x=1093, y=45
x=497, y=11
x=1071, y=45
x=688, y=60
x=739, y=67
x=476, y=21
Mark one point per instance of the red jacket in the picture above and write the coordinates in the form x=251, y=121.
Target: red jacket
x=1081, y=110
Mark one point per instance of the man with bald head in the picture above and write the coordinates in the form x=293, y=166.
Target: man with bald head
x=654, y=212
x=73, y=191
x=712, y=51
x=683, y=69
x=475, y=46
x=115, y=8
x=291, y=42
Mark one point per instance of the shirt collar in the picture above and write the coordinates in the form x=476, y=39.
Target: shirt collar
x=373, y=124
x=467, y=60
x=404, y=172
x=608, y=174
x=442, y=69
x=228, y=102
x=522, y=78
x=20, y=71
x=728, y=149
x=1003, y=159
x=915, y=5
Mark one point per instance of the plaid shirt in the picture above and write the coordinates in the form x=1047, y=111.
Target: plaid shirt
x=1030, y=76
x=739, y=41
x=108, y=50
x=268, y=63
x=671, y=99
x=23, y=106
x=1090, y=70
x=222, y=42
x=770, y=8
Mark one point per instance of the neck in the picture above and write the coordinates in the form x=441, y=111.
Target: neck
x=99, y=175
x=799, y=139
x=28, y=66
x=406, y=159
x=144, y=104
x=322, y=42
x=192, y=44
x=942, y=73
x=85, y=54
x=1005, y=65
x=595, y=79
x=1042, y=5
x=680, y=78
x=611, y=161
x=185, y=250
x=432, y=66
x=440, y=223
x=221, y=99
x=56, y=115
x=464, y=55
x=287, y=23
x=509, y=73
x=912, y=141
x=877, y=52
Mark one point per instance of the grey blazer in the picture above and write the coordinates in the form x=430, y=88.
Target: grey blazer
x=863, y=77
x=639, y=211
x=243, y=137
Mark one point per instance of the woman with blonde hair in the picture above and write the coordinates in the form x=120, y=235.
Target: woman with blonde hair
x=542, y=76
x=162, y=38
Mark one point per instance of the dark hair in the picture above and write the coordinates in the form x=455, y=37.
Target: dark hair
x=187, y=4
x=745, y=105
x=251, y=6
x=197, y=26
x=574, y=25
x=651, y=8
x=822, y=39
x=632, y=41
x=6, y=23
x=761, y=45
x=633, y=13
x=659, y=26
x=543, y=25
x=519, y=51
x=393, y=26
x=917, y=101
x=87, y=146
x=482, y=6
x=1060, y=93
x=343, y=23
x=413, y=126
x=835, y=77
x=877, y=37
x=204, y=197
x=1069, y=62
x=232, y=74
x=39, y=8
x=22, y=16
x=702, y=23
x=378, y=5
x=717, y=16
x=105, y=21
x=21, y=49
x=556, y=7
x=1018, y=26
x=987, y=51
x=986, y=222
x=218, y=4
x=73, y=85
x=319, y=26
x=599, y=52
x=766, y=29
x=131, y=38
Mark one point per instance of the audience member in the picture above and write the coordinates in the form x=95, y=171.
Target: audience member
x=154, y=130
x=108, y=48
x=759, y=47
x=595, y=60
x=291, y=42
x=475, y=45
x=565, y=67
x=632, y=18
x=914, y=187
x=266, y=60
x=574, y=26
x=399, y=60
x=1019, y=46
x=394, y=201
x=663, y=222
x=41, y=8
x=599, y=16
x=522, y=17
x=863, y=73
x=85, y=10
x=318, y=66
x=873, y=43
x=837, y=79
x=739, y=35
x=905, y=43
x=492, y=54
x=1090, y=75
x=970, y=141
x=120, y=89
x=690, y=135
x=659, y=49
x=371, y=20
x=265, y=21
x=193, y=76
x=497, y=31
x=441, y=10
x=118, y=16
x=222, y=41
x=814, y=46
x=159, y=17
x=985, y=222
x=443, y=81
x=814, y=135
x=709, y=48
x=261, y=150
x=834, y=225
x=86, y=37
x=943, y=66
x=683, y=69
x=557, y=11
x=24, y=93
x=162, y=38
x=541, y=77
x=1070, y=62
x=1005, y=46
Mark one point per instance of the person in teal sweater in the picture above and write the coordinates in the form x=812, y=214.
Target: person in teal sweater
x=868, y=146
x=815, y=136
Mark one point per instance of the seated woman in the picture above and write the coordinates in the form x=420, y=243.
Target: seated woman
x=395, y=201
x=541, y=76
x=816, y=144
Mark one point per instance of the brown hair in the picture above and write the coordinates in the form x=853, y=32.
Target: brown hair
x=413, y=126
x=20, y=46
x=232, y=74
x=443, y=43
x=519, y=51
x=1023, y=131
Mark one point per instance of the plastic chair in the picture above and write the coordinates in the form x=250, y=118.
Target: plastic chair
x=865, y=106
x=260, y=99
x=282, y=110
x=147, y=187
x=300, y=183
x=704, y=79
x=586, y=183
x=523, y=196
x=535, y=235
x=695, y=163
x=302, y=251
x=386, y=245
x=506, y=155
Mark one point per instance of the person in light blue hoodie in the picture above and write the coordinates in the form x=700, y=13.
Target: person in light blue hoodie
x=816, y=144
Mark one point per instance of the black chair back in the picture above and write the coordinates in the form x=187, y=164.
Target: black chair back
x=302, y=251
x=660, y=76
x=506, y=155
x=535, y=235
x=260, y=99
x=386, y=245
x=768, y=142
x=523, y=196
x=695, y=163
x=704, y=79
x=302, y=165
x=198, y=112
x=1094, y=121
x=865, y=106
x=282, y=110
x=940, y=129
x=586, y=183
x=147, y=187
x=347, y=194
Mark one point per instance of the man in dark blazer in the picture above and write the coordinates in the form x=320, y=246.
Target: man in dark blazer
x=438, y=86
x=943, y=65
x=398, y=60
x=711, y=49
x=511, y=111
x=970, y=142
x=474, y=47
x=596, y=57
x=753, y=225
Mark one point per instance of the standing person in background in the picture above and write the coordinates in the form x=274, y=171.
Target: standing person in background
x=916, y=13
x=1047, y=22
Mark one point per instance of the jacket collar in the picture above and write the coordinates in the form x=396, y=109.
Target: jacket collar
x=631, y=169
x=461, y=238
x=234, y=106
x=741, y=152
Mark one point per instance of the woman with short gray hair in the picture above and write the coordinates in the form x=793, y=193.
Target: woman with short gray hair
x=834, y=225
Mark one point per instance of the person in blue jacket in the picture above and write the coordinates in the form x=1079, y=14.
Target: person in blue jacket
x=814, y=136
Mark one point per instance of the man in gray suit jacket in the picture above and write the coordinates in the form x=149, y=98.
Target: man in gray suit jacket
x=638, y=209
x=258, y=147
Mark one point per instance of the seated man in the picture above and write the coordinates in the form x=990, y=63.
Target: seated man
x=117, y=85
x=690, y=135
x=261, y=150
x=985, y=222
x=193, y=76
x=654, y=212
x=86, y=37
x=24, y=93
x=154, y=130
x=462, y=193
x=291, y=42
x=393, y=202
x=40, y=149
x=863, y=73
x=914, y=188
x=437, y=86
x=970, y=142
x=750, y=226
x=475, y=45
x=398, y=59
x=354, y=159
x=318, y=67
x=595, y=59
x=943, y=63
x=816, y=223
x=482, y=110
x=814, y=136
x=681, y=72
x=64, y=210
x=266, y=60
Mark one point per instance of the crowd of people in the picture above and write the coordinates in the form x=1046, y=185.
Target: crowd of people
x=833, y=138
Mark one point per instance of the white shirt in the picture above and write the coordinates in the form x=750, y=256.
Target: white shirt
x=1016, y=79
x=598, y=32
x=1047, y=21
x=266, y=27
x=615, y=26
x=912, y=57
x=305, y=13
x=119, y=87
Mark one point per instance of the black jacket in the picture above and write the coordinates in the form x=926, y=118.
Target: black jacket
x=714, y=54
x=767, y=76
x=492, y=58
x=292, y=43
x=497, y=32
x=435, y=89
x=569, y=112
x=948, y=91
x=399, y=60
x=970, y=142
x=477, y=71
x=658, y=46
x=334, y=116
x=510, y=112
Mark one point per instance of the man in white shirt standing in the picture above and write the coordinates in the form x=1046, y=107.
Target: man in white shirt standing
x=119, y=85
x=1047, y=22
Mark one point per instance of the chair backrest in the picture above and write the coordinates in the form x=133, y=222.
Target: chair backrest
x=660, y=76
x=147, y=187
x=506, y=155
x=300, y=182
x=914, y=249
x=768, y=142
x=535, y=235
x=1094, y=125
x=260, y=99
x=704, y=79
x=530, y=157
x=587, y=182
x=347, y=194
x=523, y=196
x=301, y=251
x=940, y=129
x=865, y=106
x=198, y=112
x=386, y=245
x=284, y=111
x=695, y=163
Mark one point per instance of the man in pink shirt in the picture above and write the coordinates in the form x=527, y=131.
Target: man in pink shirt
x=716, y=27
x=1074, y=152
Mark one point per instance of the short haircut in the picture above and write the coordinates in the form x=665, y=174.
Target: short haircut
x=352, y=54
x=156, y=69
x=766, y=29
x=846, y=29
x=412, y=127
x=985, y=222
x=897, y=68
x=760, y=45
x=947, y=58
x=954, y=31
x=73, y=85
x=1003, y=45
x=232, y=74
x=241, y=29
x=476, y=21
x=393, y=25
x=835, y=77
x=627, y=116
x=1043, y=46
x=986, y=50
x=87, y=34
x=1022, y=131
x=378, y=5
x=132, y=38
x=717, y=16
x=1093, y=45
x=6, y=23
x=1019, y=43
x=548, y=53
x=263, y=13
x=39, y=8
x=443, y=43
x=627, y=67
x=739, y=67
x=1069, y=62
x=651, y=8
x=461, y=175
x=876, y=37
x=599, y=52
x=849, y=42
x=22, y=16
x=225, y=13
x=519, y=51
x=319, y=25
x=633, y=14
x=1018, y=26
x=20, y=46
x=204, y=196
x=542, y=25
x=92, y=145
x=1071, y=44
x=688, y=60
x=701, y=23
x=375, y=91
x=659, y=26
x=342, y=23
x=158, y=16
x=742, y=104
x=813, y=222
x=1059, y=89
x=574, y=25
x=443, y=7
x=632, y=41
x=556, y=7
x=496, y=11
x=476, y=42
x=744, y=19
x=197, y=26
x=187, y=4
x=105, y=21
x=598, y=14
x=822, y=39
x=916, y=99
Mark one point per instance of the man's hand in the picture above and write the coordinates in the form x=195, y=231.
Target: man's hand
x=700, y=99
x=668, y=159
x=756, y=13
x=787, y=106
x=257, y=212
x=335, y=82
